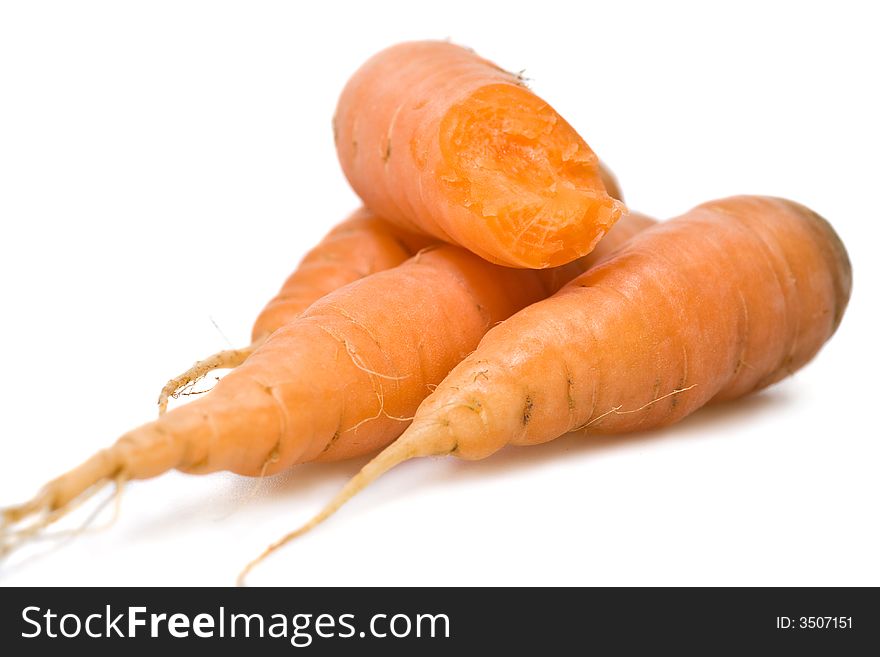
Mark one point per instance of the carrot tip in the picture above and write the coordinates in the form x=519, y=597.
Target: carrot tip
x=409, y=446
x=182, y=384
x=16, y=532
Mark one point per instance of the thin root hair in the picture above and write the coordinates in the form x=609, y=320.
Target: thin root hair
x=616, y=410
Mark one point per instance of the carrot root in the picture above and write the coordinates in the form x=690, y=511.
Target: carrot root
x=222, y=360
x=141, y=453
x=414, y=446
x=15, y=532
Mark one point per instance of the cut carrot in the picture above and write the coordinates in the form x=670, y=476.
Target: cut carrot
x=436, y=139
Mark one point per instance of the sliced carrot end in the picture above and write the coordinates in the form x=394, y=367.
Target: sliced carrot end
x=533, y=185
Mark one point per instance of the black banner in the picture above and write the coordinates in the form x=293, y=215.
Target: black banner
x=437, y=621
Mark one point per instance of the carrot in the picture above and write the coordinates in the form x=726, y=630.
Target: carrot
x=436, y=139
x=730, y=297
x=361, y=245
x=340, y=380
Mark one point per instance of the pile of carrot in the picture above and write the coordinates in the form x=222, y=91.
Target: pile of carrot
x=494, y=290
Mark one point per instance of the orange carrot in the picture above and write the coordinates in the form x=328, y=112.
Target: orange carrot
x=722, y=301
x=340, y=380
x=361, y=245
x=438, y=140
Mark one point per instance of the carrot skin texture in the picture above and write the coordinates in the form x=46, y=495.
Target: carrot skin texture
x=436, y=139
x=720, y=302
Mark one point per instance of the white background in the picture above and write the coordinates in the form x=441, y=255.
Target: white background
x=164, y=165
